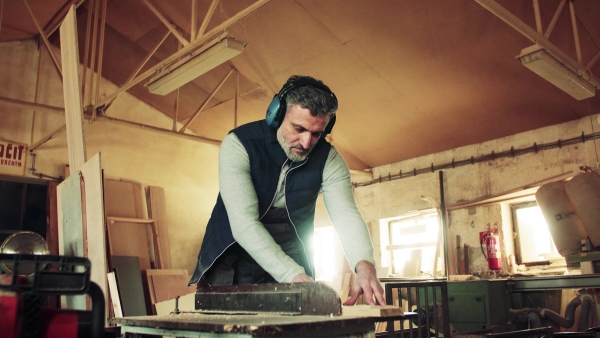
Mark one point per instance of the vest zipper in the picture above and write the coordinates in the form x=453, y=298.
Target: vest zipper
x=292, y=221
x=260, y=218
x=276, y=191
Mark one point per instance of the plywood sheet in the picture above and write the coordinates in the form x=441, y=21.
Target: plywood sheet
x=154, y=272
x=123, y=198
x=129, y=239
x=168, y=286
x=71, y=216
x=129, y=283
x=115, y=299
x=149, y=285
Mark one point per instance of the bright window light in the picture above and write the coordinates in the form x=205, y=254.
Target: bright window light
x=413, y=243
x=324, y=244
x=533, y=241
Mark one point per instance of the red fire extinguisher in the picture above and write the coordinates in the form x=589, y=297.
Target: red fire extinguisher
x=494, y=258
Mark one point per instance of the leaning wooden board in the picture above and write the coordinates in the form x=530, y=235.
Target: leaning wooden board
x=149, y=285
x=384, y=311
x=169, y=286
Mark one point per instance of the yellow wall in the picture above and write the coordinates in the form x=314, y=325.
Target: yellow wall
x=186, y=169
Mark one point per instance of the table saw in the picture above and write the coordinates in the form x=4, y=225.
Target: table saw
x=265, y=310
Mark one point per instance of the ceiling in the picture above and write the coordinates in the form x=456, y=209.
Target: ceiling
x=413, y=77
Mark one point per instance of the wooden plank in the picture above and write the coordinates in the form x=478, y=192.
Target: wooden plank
x=459, y=262
x=157, y=211
x=372, y=311
x=346, y=286
x=129, y=220
x=115, y=300
x=526, y=190
x=129, y=283
x=155, y=246
x=95, y=240
x=72, y=91
x=466, y=258
x=149, y=286
x=168, y=286
x=381, y=327
x=52, y=230
x=185, y=303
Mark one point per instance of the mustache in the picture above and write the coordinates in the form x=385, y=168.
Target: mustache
x=297, y=146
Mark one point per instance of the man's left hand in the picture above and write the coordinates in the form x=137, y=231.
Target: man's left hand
x=366, y=283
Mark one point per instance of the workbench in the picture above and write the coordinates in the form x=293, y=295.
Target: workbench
x=265, y=310
x=244, y=326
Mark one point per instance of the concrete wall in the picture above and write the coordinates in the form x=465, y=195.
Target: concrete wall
x=472, y=182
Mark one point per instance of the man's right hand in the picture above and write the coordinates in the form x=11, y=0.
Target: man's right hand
x=302, y=278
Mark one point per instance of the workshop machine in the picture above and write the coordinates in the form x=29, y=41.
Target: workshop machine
x=572, y=211
x=264, y=310
x=27, y=282
x=480, y=306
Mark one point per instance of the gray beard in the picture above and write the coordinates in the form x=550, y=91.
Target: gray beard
x=288, y=150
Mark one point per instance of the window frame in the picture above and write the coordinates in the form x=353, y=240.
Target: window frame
x=514, y=207
x=390, y=247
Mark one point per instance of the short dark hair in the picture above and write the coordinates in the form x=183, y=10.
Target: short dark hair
x=319, y=99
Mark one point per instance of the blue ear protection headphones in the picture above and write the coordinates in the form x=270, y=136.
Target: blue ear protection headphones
x=277, y=108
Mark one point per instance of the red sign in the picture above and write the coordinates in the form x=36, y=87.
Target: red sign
x=13, y=158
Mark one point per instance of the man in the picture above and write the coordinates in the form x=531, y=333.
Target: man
x=270, y=174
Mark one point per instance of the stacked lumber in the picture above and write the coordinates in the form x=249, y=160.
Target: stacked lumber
x=140, y=273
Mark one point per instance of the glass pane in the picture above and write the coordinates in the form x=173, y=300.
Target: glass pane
x=530, y=224
x=413, y=243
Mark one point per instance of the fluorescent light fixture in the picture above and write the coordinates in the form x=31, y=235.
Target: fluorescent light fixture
x=550, y=68
x=194, y=64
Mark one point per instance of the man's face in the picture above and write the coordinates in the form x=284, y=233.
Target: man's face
x=299, y=132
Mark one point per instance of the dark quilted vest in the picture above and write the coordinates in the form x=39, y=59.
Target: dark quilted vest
x=302, y=187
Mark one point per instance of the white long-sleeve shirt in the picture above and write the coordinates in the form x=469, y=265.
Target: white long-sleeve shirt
x=241, y=203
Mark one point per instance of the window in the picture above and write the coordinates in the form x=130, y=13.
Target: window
x=529, y=223
x=413, y=244
x=324, y=252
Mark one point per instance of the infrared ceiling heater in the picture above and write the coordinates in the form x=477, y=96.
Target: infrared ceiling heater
x=194, y=64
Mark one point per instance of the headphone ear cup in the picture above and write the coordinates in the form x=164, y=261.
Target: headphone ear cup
x=329, y=126
x=273, y=117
